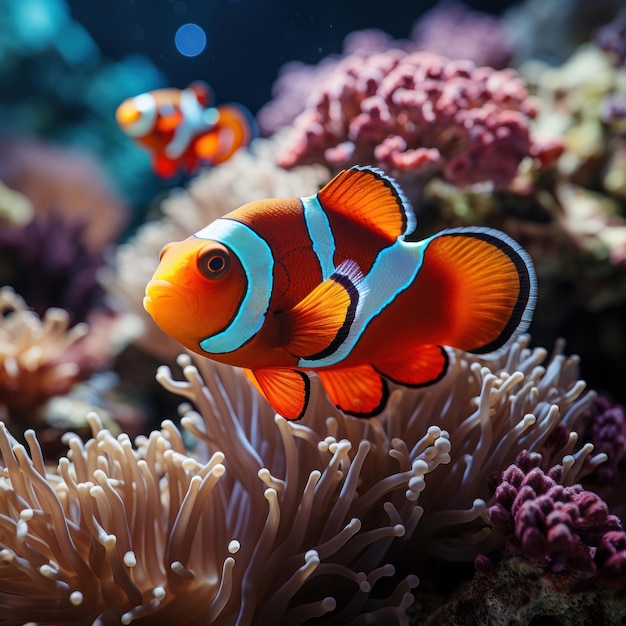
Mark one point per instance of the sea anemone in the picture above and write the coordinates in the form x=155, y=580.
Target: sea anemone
x=270, y=520
x=35, y=355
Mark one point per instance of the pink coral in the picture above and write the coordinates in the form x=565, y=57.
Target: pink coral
x=418, y=114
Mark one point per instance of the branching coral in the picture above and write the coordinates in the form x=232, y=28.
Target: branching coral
x=418, y=114
x=249, y=175
x=268, y=520
x=450, y=29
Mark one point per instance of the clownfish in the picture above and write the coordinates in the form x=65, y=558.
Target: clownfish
x=333, y=284
x=180, y=129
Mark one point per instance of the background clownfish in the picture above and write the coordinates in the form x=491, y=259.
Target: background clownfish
x=181, y=131
x=331, y=284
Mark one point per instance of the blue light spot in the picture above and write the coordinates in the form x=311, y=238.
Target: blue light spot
x=190, y=40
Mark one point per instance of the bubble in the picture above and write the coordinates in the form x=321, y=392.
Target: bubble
x=190, y=40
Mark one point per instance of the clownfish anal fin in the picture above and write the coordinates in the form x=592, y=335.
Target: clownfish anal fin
x=357, y=391
x=369, y=196
x=423, y=365
x=318, y=325
x=287, y=390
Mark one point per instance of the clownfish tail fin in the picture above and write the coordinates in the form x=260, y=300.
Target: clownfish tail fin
x=482, y=287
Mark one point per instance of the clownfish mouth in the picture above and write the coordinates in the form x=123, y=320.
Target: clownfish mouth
x=171, y=306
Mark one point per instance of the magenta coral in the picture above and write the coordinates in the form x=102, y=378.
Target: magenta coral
x=417, y=114
x=605, y=428
x=558, y=526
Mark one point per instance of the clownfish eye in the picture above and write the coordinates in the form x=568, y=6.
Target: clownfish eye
x=214, y=262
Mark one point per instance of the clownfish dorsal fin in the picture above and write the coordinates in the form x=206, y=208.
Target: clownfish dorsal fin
x=318, y=325
x=287, y=390
x=358, y=391
x=203, y=92
x=367, y=195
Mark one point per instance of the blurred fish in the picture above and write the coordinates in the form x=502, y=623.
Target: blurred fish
x=333, y=284
x=182, y=131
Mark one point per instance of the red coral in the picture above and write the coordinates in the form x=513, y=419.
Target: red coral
x=418, y=113
x=557, y=526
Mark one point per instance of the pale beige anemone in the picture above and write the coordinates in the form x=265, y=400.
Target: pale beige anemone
x=247, y=519
x=43, y=357
x=249, y=175
x=35, y=361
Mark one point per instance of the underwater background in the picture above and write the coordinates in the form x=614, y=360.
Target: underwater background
x=505, y=481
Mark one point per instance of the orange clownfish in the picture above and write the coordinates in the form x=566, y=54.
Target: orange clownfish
x=181, y=131
x=332, y=284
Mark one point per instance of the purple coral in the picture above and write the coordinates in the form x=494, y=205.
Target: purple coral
x=48, y=264
x=605, y=428
x=557, y=526
x=418, y=114
x=612, y=39
x=457, y=32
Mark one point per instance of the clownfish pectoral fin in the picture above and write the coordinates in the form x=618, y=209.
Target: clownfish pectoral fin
x=423, y=365
x=368, y=195
x=318, y=325
x=357, y=391
x=287, y=390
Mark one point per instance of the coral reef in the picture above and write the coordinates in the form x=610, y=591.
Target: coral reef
x=612, y=39
x=415, y=115
x=517, y=592
x=48, y=264
x=64, y=184
x=268, y=519
x=551, y=31
x=505, y=478
x=450, y=29
x=605, y=428
x=453, y=30
x=558, y=526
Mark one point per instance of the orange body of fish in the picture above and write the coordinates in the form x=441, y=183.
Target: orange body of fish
x=333, y=284
x=180, y=129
